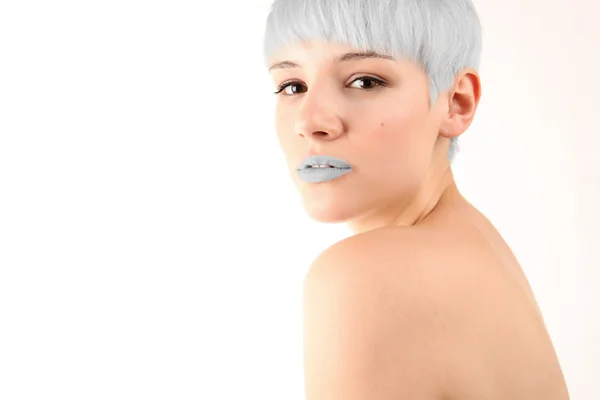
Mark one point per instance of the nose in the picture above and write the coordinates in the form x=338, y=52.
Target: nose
x=316, y=120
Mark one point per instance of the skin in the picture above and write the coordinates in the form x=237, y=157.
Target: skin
x=425, y=300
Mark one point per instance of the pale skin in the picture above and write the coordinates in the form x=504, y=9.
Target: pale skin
x=425, y=300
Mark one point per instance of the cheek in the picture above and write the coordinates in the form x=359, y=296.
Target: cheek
x=286, y=138
x=397, y=127
x=281, y=126
x=396, y=135
x=397, y=149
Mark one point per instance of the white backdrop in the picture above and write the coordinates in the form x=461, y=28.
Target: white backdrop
x=151, y=243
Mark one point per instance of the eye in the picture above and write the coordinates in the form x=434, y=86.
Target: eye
x=291, y=92
x=370, y=82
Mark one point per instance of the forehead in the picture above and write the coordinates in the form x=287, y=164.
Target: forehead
x=312, y=48
x=311, y=54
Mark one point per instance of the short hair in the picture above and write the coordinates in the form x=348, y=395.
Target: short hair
x=441, y=36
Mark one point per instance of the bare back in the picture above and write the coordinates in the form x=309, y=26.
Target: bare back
x=505, y=351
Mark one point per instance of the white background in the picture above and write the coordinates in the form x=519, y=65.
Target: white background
x=151, y=243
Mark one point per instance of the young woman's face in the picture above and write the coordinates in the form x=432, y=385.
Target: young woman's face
x=372, y=113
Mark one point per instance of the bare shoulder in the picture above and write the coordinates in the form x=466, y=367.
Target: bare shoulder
x=408, y=262
x=380, y=247
x=409, y=313
x=374, y=322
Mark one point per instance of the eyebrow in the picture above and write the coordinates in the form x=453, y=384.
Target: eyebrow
x=345, y=57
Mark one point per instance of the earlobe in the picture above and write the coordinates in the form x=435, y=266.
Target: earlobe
x=462, y=104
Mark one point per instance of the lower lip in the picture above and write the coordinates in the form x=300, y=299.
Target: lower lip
x=315, y=175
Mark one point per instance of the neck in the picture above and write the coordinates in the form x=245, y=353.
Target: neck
x=437, y=189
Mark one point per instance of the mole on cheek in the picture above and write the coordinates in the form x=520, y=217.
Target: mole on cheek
x=382, y=124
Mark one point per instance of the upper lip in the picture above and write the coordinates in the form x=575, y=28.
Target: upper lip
x=317, y=159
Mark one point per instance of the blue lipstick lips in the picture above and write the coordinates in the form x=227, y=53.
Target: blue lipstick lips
x=316, y=169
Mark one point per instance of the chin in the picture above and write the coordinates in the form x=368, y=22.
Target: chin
x=327, y=212
x=330, y=202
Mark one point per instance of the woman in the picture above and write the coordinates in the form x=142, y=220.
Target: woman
x=425, y=300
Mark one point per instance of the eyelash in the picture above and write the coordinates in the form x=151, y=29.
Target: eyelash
x=379, y=83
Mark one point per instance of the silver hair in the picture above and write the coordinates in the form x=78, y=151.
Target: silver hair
x=441, y=36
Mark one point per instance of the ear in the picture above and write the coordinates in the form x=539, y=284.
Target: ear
x=463, y=100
